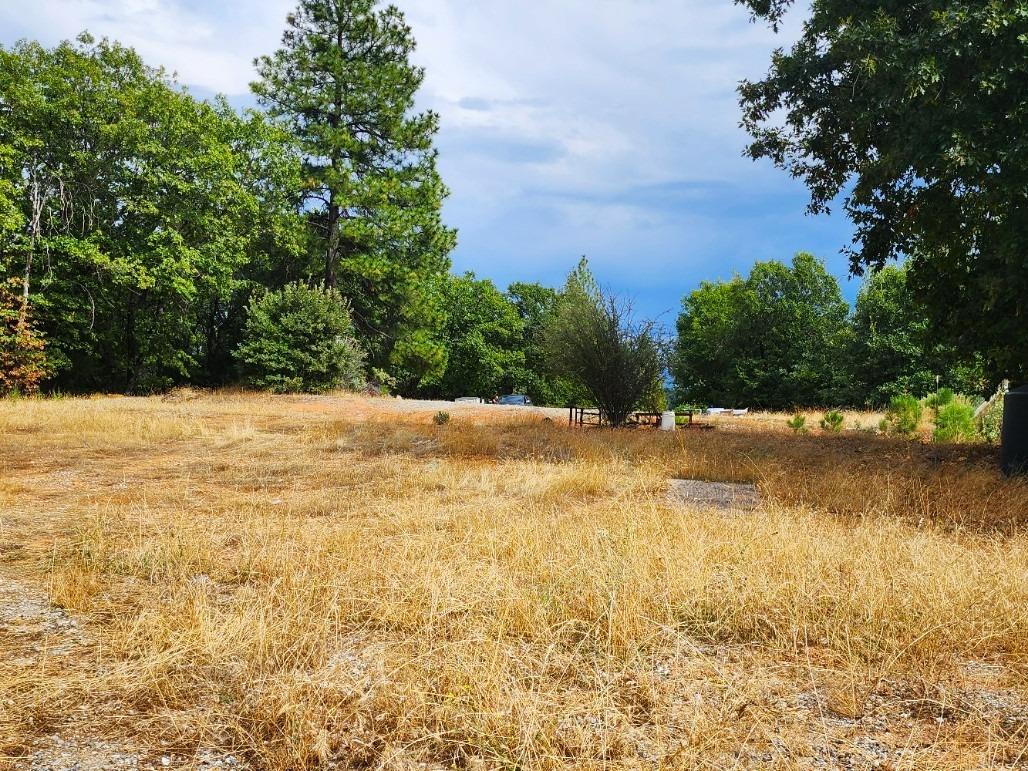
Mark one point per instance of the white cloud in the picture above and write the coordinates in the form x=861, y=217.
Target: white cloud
x=210, y=45
x=615, y=82
x=638, y=92
x=562, y=120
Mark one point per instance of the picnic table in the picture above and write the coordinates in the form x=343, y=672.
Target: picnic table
x=580, y=416
x=654, y=418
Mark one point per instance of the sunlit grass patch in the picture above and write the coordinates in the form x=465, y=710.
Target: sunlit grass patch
x=297, y=587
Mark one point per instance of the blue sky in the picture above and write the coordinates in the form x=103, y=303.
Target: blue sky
x=605, y=128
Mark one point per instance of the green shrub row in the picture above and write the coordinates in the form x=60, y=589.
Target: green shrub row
x=952, y=415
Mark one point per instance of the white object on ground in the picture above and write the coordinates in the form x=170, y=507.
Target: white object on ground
x=715, y=410
x=740, y=413
x=667, y=421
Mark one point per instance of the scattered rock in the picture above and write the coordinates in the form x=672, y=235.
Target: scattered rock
x=82, y=754
x=34, y=625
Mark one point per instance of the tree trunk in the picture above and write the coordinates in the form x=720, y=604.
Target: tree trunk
x=131, y=349
x=332, y=250
x=34, y=225
x=23, y=311
x=335, y=210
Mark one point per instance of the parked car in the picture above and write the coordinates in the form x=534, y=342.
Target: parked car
x=516, y=400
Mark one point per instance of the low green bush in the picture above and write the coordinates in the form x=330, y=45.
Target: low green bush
x=955, y=422
x=832, y=422
x=441, y=418
x=903, y=416
x=798, y=423
x=300, y=339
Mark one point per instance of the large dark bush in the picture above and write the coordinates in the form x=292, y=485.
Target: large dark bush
x=300, y=339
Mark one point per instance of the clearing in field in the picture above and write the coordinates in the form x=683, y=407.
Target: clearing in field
x=289, y=583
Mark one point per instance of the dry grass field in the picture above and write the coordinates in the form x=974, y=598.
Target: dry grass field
x=217, y=581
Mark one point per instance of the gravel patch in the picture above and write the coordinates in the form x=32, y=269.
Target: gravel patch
x=34, y=626
x=723, y=496
x=58, y=754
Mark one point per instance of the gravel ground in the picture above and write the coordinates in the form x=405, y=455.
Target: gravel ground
x=715, y=495
x=33, y=629
x=76, y=754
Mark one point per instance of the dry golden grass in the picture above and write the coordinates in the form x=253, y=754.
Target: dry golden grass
x=311, y=582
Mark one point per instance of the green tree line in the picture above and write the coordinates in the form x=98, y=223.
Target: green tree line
x=150, y=239
x=137, y=223
x=784, y=337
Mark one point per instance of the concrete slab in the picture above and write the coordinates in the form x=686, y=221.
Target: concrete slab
x=724, y=496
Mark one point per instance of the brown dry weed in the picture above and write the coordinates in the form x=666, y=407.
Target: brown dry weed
x=312, y=582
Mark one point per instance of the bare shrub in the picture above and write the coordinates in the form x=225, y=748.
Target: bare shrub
x=596, y=342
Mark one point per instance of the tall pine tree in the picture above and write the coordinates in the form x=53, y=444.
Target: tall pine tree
x=344, y=85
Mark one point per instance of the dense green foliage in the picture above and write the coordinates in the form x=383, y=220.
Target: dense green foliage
x=771, y=340
x=139, y=220
x=496, y=341
x=896, y=350
x=129, y=211
x=484, y=336
x=537, y=306
x=149, y=238
x=300, y=338
x=343, y=87
x=916, y=113
x=783, y=337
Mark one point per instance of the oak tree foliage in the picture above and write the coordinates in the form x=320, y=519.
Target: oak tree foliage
x=915, y=114
x=128, y=211
x=774, y=339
